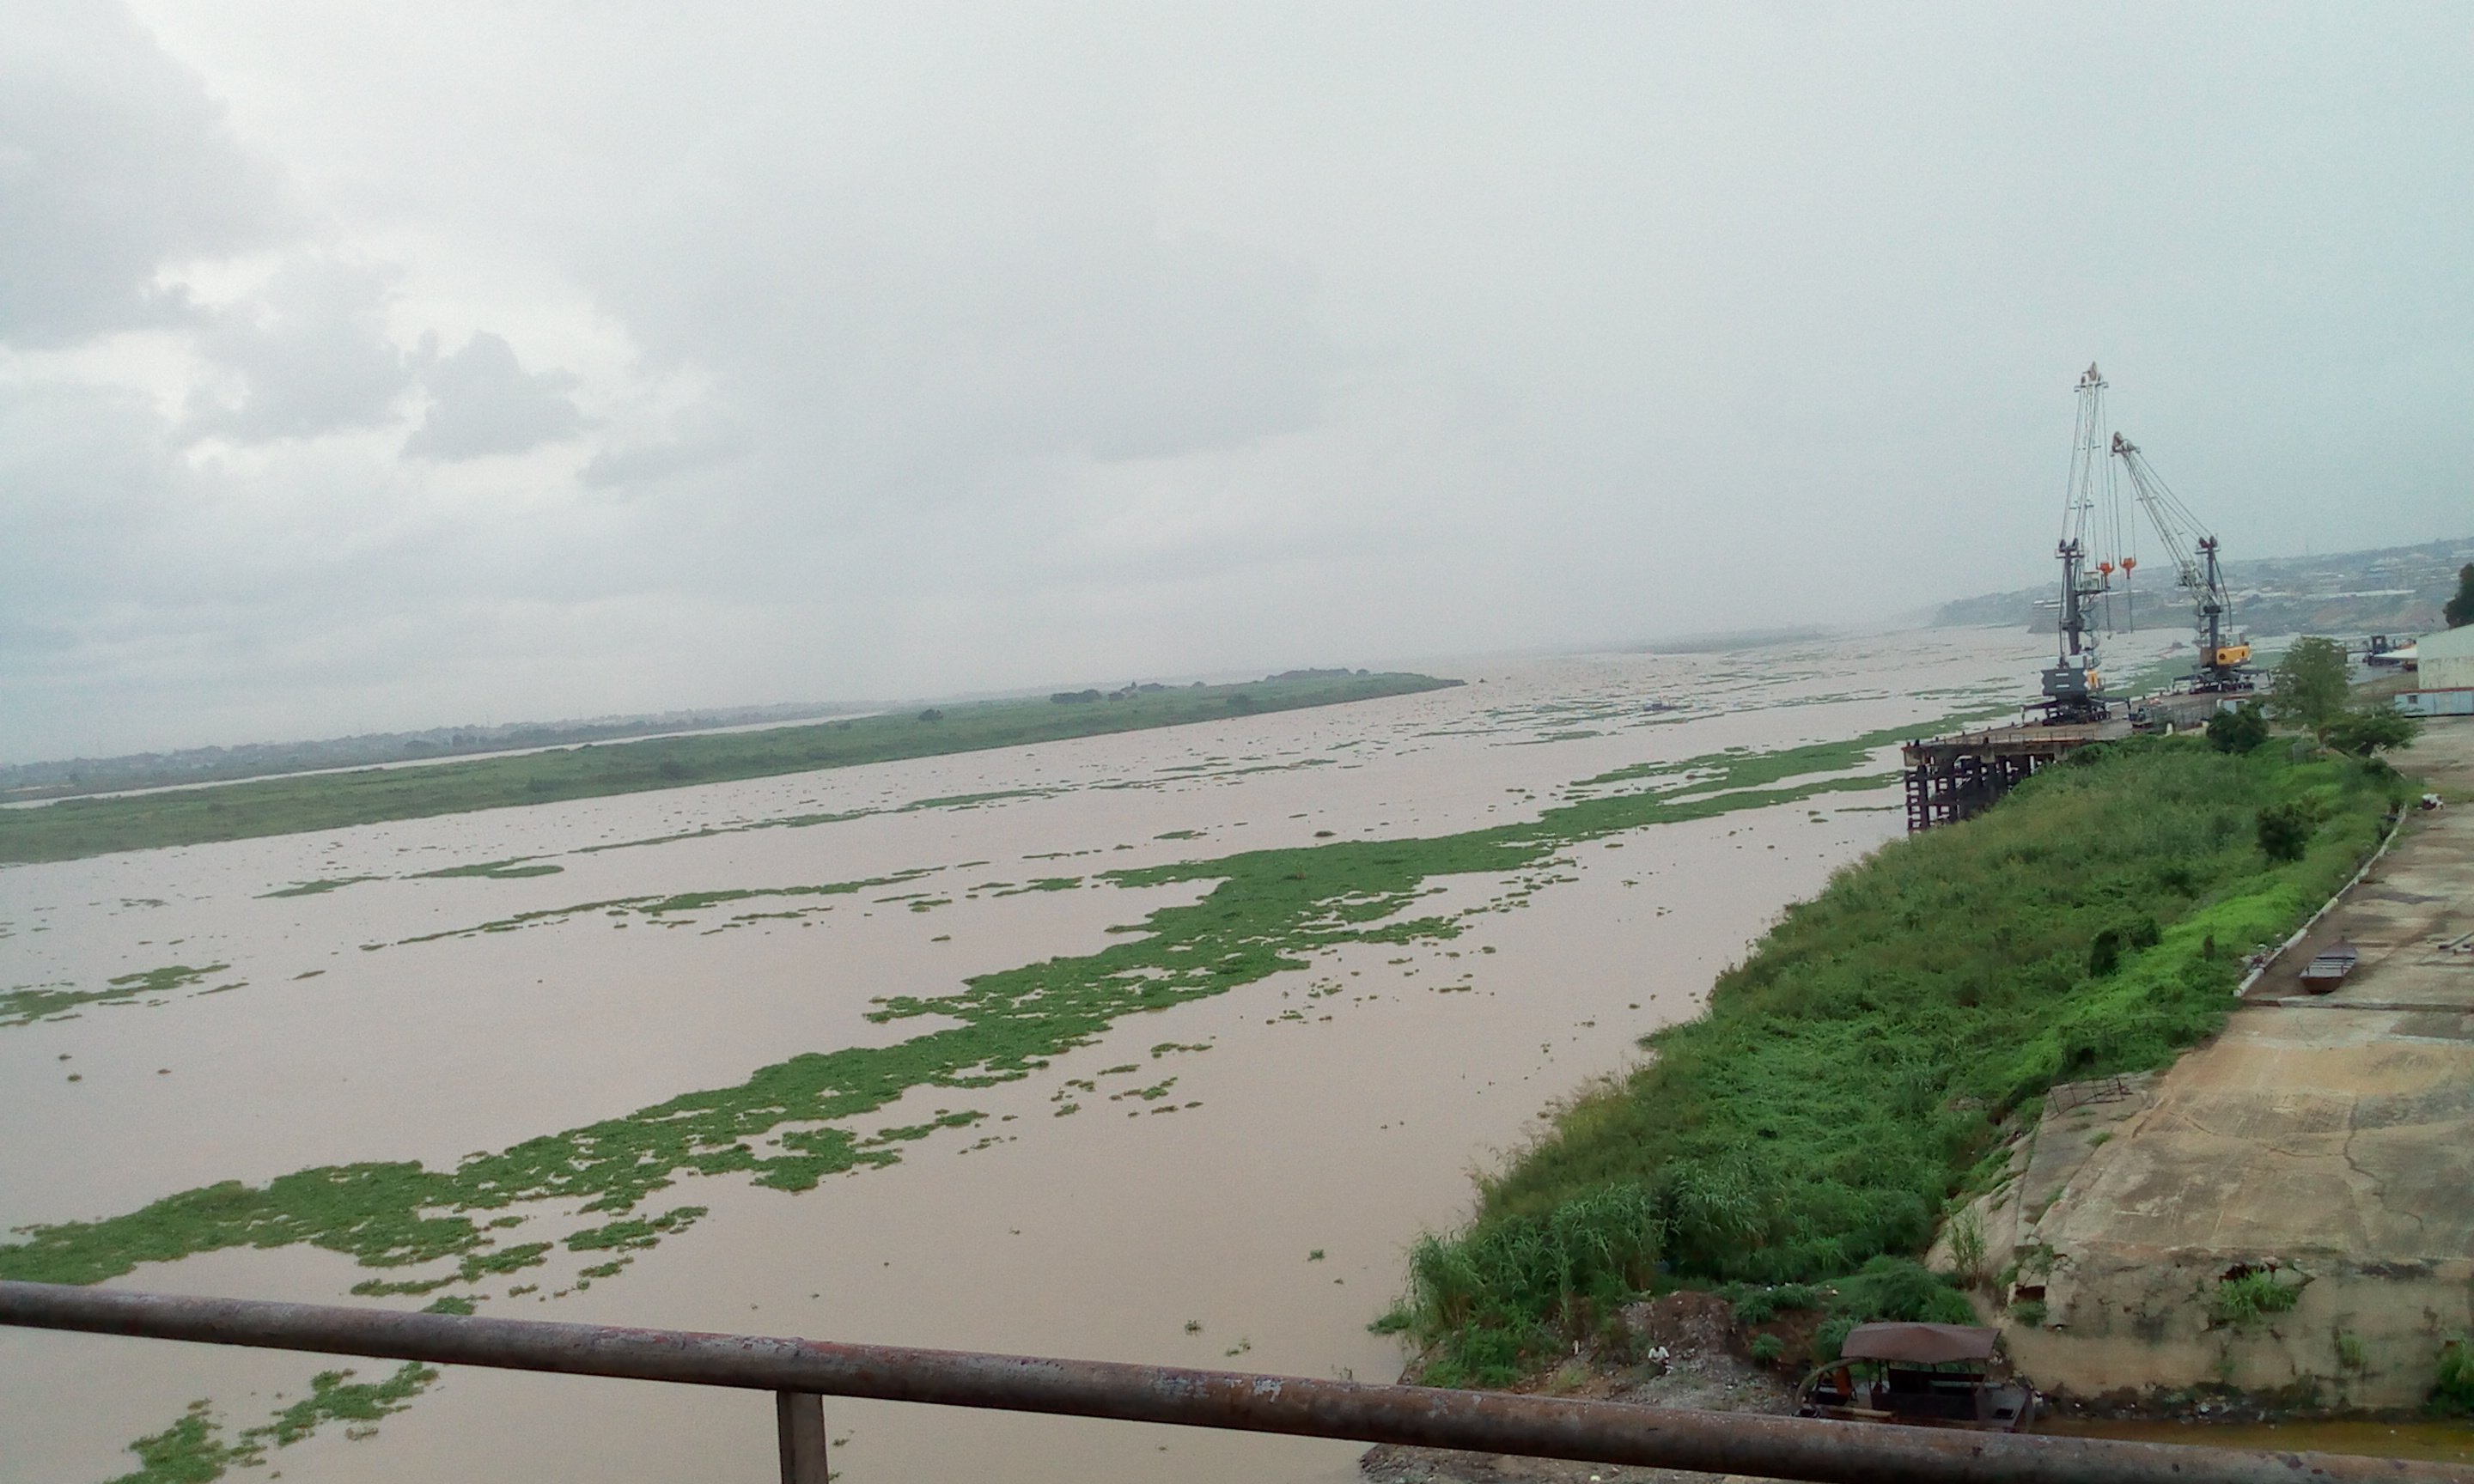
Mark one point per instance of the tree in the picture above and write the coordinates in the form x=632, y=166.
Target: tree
x=2364, y=729
x=2310, y=684
x=2240, y=730
x=2460, y=610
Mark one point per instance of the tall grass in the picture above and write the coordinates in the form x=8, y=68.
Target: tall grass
x=1856, y=1066
x=1511, y=1283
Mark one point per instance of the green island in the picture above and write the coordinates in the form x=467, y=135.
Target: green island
x=1849, y=1084
x=74, y=828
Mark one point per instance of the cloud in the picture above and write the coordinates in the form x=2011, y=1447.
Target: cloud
x=1214, y=346
x=113, y=163
x=483, y=403
x=643, y=464
x=312, y=352
x=1007, y=345
x=83, y=476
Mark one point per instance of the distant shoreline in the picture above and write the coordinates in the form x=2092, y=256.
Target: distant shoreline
x=204, y=813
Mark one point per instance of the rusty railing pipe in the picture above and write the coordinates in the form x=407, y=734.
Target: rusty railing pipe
x=1832, y=1452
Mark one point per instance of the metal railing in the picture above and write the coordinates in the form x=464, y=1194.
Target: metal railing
x=799, y=1373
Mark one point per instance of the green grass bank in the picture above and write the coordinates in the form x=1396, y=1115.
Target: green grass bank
x=74, y=828
x=1811, y=1129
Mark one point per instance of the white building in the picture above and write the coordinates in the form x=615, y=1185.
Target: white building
x=2447, y=659
x=2444, y=670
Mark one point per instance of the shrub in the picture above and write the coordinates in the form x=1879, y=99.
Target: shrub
x=1761, y=1305
x=2285, y=831
x=1967, y=1246
x=1830, y=1338
x=2029, y=1313
x=2242, y=729
x=2105, y=949
x=2247, y=1298
x=1902, y=1288
x=2364, y=731
x=2454, y=1391
x=1767, y=1347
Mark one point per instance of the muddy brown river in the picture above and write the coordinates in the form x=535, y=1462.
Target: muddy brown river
x=1251, y=1216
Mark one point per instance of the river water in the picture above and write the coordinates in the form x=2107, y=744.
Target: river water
x=1338, y=1111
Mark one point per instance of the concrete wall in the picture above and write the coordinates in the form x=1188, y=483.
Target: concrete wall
x=2436, y=703
x=2122, y=1319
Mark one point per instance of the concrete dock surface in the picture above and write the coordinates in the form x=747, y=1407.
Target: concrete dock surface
x=2324, y=1141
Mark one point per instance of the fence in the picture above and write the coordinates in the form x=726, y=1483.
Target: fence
x=800, y=1372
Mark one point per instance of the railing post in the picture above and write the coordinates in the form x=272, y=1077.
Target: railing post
x=800, y=1418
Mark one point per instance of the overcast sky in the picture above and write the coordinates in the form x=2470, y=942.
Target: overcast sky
x=367, y=367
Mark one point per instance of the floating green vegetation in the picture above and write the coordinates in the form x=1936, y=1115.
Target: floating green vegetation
x=510, y=870
x=630, y=1234
x=26, y=1004
x=318, y=888
x=163, y=980
x=76, y=827
x=676, y=904
x=1268, y=909
x=1853, y=1070
x=1044, y=884
x=192, y=1450
x=746, y=826
x=974, y=801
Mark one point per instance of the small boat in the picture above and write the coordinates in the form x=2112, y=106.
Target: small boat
x=2327, y=971
x=1924, y=1376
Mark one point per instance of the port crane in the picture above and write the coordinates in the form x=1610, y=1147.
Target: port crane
x=2074, y=684
x=2193, y=548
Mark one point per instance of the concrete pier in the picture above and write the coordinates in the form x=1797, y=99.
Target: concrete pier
x=2325, y=1139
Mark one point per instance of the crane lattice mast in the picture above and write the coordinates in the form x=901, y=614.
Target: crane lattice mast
x=2073, y=682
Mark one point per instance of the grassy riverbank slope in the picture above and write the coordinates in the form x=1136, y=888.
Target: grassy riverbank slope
x=1853, y=1070
x=77, y=828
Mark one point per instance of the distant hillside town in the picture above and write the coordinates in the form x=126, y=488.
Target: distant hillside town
x=2395, y=591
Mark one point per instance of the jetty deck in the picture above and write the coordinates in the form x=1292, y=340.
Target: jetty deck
x=1951, y=779
x=1954, y=777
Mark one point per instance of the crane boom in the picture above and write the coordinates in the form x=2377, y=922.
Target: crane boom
x=2194, y=550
